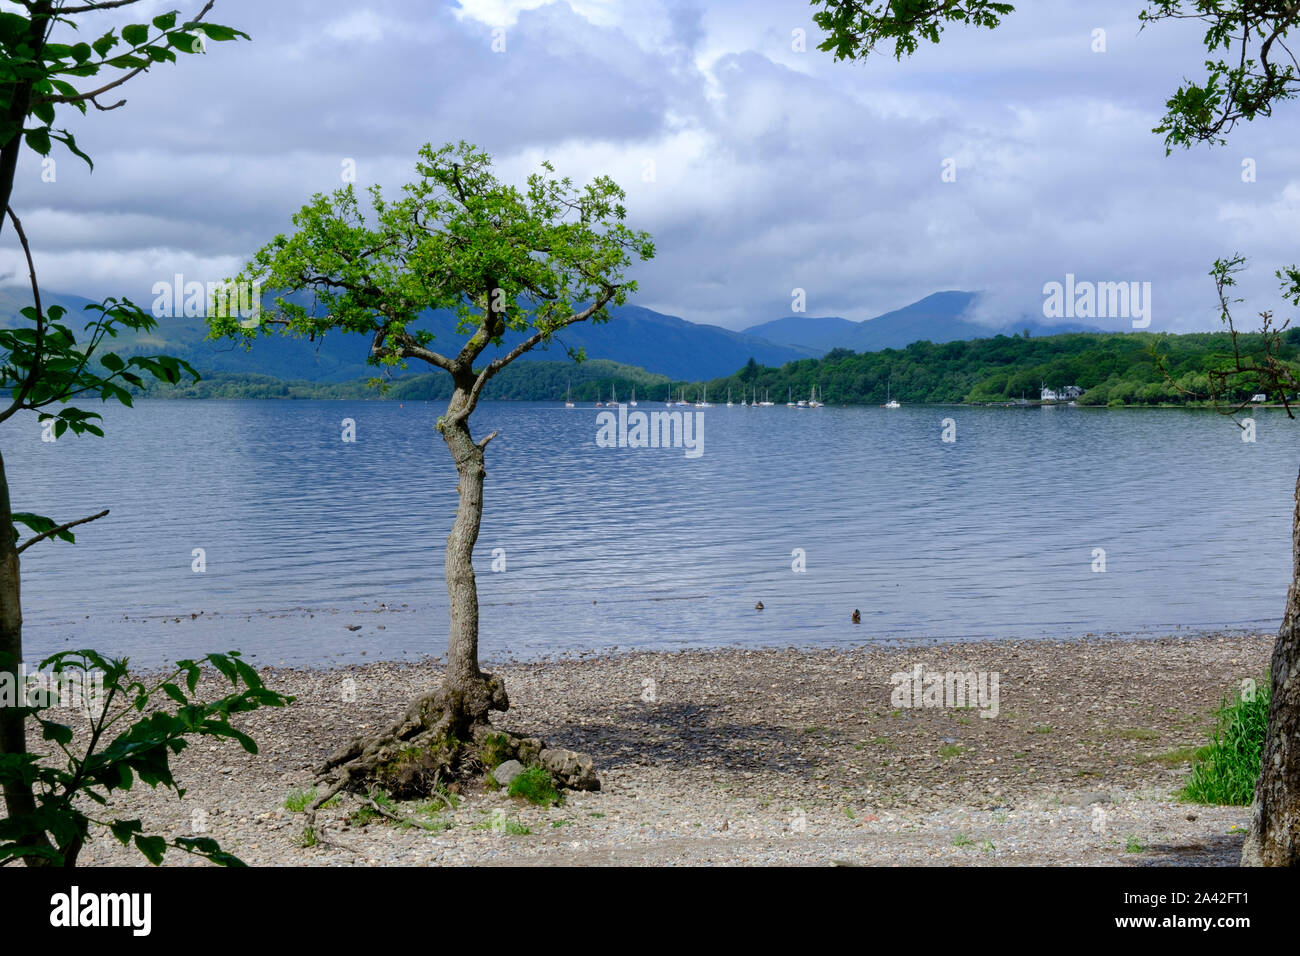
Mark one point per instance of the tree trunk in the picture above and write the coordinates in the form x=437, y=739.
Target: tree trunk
x=19, y=799
x=427, y=744
x=474, y=692
x=1274, y=838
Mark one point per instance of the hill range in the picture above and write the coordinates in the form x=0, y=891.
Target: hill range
x=661, y=344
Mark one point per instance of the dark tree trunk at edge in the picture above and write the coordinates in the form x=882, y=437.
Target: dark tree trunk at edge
x=1274, y=838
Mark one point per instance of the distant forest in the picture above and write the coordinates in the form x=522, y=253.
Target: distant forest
x=1138, y=368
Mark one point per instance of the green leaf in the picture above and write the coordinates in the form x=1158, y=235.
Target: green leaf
x=152, y=847
x=215, y=31
x=39, y=524
x=135, y=33
x=125, y=829
x=59, y=733
x=66, y=138
x=39, y=140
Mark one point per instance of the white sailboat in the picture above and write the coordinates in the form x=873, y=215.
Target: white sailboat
x=789, y=397
x=613, y=399
x=682, y=401
x=704, y=401
x=812, y=402
x=891, y=403
x=633, y=402
x=729, y=402
x=568, y=395
x=767, y=399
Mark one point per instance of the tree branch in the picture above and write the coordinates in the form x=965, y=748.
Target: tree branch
x=34, y=372
x=53, y=531
x=531, y=341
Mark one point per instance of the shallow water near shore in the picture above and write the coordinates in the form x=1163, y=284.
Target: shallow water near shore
x=304, y=536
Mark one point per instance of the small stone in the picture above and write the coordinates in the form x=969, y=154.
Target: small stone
x=507, y=771
x=572, y=770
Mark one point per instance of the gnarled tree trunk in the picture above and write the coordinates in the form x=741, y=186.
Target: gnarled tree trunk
x=476, y=693
x=1274, y=838
x=427, y=743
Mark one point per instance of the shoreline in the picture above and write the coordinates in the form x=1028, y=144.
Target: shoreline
x=761, y=757
x=502, y=657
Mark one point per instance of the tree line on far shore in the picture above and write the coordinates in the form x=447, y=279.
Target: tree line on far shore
x=1114, y=368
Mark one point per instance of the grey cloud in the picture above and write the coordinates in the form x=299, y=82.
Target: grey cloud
x=775, y=169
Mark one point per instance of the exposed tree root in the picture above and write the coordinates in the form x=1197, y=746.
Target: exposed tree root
x=443, y=736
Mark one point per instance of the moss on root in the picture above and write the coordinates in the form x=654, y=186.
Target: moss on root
x=496, y=750
x=419, y=769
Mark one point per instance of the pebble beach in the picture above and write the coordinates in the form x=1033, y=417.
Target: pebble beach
x=760, y=757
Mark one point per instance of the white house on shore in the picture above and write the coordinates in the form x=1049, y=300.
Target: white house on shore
x=1069, y=393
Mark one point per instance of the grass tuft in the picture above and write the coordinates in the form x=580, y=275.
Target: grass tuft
x=536, y=786
x=1226, y=771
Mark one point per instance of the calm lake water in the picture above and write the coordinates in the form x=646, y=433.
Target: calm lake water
x=993, y=535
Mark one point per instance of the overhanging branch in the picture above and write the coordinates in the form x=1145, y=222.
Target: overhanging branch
x=53, y=531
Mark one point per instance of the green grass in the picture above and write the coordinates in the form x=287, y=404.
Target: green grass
x=1225, y=772
x=1175, y=757
x=510, y=826
x=496, y=751
x=1133, y=845
x=299, y=800
x=962, y=840
x=536, y=786
x=1041, y=729
x=950, y=750
x=306, y=839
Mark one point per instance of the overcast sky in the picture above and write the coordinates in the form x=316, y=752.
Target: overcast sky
x=773, y=169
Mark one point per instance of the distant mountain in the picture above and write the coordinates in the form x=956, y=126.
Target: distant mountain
x=636, y=336
x=937, y=318
x=662, y=344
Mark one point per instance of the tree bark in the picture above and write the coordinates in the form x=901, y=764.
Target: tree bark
x=425, y=746
x=19, y=799
x=475, y=692
x=1274, y=838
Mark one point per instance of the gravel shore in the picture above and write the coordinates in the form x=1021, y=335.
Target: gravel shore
x=761, y=757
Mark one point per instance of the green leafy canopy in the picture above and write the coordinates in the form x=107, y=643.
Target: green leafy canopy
x=506, y=259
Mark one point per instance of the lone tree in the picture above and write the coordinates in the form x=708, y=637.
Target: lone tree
x=1249, y=68
x=531, y=262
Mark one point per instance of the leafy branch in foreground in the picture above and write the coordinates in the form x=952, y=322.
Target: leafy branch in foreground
x=1249, y=69
x=103, y=690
